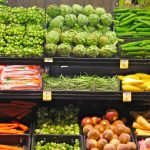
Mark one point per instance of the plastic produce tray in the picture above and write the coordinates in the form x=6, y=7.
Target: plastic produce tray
x=16, y=140
x=57, y=138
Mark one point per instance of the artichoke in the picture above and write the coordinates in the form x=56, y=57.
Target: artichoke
x=103, y=40
x=70, y=20
x=52, y=37
x=53, y=10
x=108, y=50
x=107, y=19
x=67, y=37
x=51, y=49
x=91, y=29
x=79, y=51
x=88, y=9
x=82, y=20
x=65, y=9
x=100, y=11
x=57, y=22
x=64, y=50
x=80, y=38
x=77, y=9
x=92, y=39
x=94, y=19
x=111, y=36
x=92, y=51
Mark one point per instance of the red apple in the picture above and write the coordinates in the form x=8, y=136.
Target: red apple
x=91, y=143
x=96, y=120
x=86, y=120
x=112, y=115
x=100, y=128
x=105, y=123
x=87, y=128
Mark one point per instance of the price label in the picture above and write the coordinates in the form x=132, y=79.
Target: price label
x=47, y=95
x=48, y=60
x=124, y=64
x=127, y=97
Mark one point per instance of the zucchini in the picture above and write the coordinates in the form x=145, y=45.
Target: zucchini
x=131, y=44
x=127, y=18
x=121, y=10
x=124, y=15
x=143, y=29
x=127, y=22
x=135, y=26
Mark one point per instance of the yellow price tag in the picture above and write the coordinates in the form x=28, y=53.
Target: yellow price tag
x=127, y=97
x=124, y=63
x=49, y=60
x=47, y=95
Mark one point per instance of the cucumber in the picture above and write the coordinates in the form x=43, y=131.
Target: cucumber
x=127, y=22
x=135, y=26
x=127, y=18
x=124, y=15
x=131, y=44
x=121, y=29
x=121, y=10
x=136, y=53
x=132, y=48
x=127, y=33
x=144, y=33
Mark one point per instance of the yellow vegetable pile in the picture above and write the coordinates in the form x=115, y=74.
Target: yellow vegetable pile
x=135, y=82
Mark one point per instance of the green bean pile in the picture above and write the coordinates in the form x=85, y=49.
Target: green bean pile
x=81, y=83
x=57, y=146
x=58, y=121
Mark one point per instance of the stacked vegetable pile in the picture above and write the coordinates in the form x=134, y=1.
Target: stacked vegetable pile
x=141, y=123
x=138, y=82
x=136, y=49
x=58, y=121
x=80, y=31
x=132, y=22
x=20, y=77
x=57, y=146
x=81, y=83
x=107, y=133
x=21, y=31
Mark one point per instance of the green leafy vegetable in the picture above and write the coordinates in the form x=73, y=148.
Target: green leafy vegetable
x=88, y=9
x=52, y=37
x=64, y=50
x=79, y=51
x=92, y=51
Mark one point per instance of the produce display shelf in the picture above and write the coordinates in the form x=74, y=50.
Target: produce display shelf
x=21, y=61
x=73, y=95
x=72, y=61
x=96, y=61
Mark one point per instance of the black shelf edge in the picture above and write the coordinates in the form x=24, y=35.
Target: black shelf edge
x=95, y=61
x=21, y=61
x=72, y=95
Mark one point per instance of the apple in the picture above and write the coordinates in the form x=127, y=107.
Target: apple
x=86, y=120
x=112, y=115
x=105, y=123
x=87, y=128
x=91, y=143
x=96, y=120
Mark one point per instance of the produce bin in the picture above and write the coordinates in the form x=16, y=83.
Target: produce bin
x=58, y=139
x=16, y=140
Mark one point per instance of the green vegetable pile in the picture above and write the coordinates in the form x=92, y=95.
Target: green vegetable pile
x=76, y=31
x=58, y=121
x=57, y=146
x=81, y=83
x=136, y=49
x=133, y=23
x=21, y=31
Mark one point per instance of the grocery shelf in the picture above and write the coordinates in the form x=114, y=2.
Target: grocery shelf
x=21, y=61
x=95, y=61
x=72, y=95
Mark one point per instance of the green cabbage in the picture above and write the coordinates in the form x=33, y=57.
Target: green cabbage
x=88, y=9
x=77, y=9
x=108, y=50
x=79, y=51
x=57, y=22
x=80, y=38
x=103, y=40
x=70, y=20
x=92, y=51
x=100, y=11
x=82, y=20
x=94, y=19
x=107, y=19
x=51, y=49
x=65, y=9
x=53, y=10
x=67, y=37
x=52, y=37
x=64, y=50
